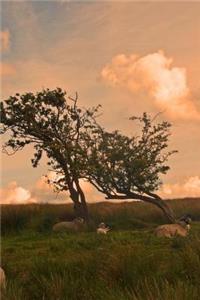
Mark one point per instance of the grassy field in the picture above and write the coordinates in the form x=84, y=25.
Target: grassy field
x=130, y=263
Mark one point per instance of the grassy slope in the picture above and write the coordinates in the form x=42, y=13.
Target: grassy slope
x=129, y=263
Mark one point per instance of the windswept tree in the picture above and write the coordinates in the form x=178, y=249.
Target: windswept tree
x=56, y=126
x=77, y=147
x=124, y=167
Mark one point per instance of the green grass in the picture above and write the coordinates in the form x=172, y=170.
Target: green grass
x=129, y=263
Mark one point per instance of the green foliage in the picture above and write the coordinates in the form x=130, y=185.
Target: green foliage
x=123, y=164
x=53, y=124
x=77, y=147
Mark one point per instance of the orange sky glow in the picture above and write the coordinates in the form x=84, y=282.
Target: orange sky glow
x=130, y=57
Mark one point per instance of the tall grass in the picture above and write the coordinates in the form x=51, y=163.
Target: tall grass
x=119, y=266
x=130, y=263
x=41, y=217
x=38, y=217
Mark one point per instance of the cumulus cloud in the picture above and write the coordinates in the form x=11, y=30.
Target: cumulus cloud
x=14, y=194
x=42, y=192
x=154, y=74
x=45, y=193
x=5, y=40
x=190, y=188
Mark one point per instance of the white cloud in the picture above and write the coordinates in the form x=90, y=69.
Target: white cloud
x=14, y=194
x=190, y=188
x=166, y=85
x=42, y=192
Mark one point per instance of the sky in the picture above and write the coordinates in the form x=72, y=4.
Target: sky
x=128, y=56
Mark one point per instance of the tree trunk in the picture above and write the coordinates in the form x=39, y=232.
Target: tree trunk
x=81, y=210
x=80, y=205
x=78, y=210
x=164, y=207
x=84, y=207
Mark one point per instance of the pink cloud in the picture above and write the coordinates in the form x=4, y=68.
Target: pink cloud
x=14, y=194
x=165, y=85
x=190, y=188
x=42, y=192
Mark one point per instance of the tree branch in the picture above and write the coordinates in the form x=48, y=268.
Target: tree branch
x=156, y=201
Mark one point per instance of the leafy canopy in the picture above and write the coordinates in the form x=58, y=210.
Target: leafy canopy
x=123, y=165
x=54, y=124
x=119, y=166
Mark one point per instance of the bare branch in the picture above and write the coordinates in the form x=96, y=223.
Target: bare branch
x=156, y=115
x=74, y=99
x=4, y=150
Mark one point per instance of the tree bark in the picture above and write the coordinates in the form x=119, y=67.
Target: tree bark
x=78, y=198
x=83, y=203
x=75, y=199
